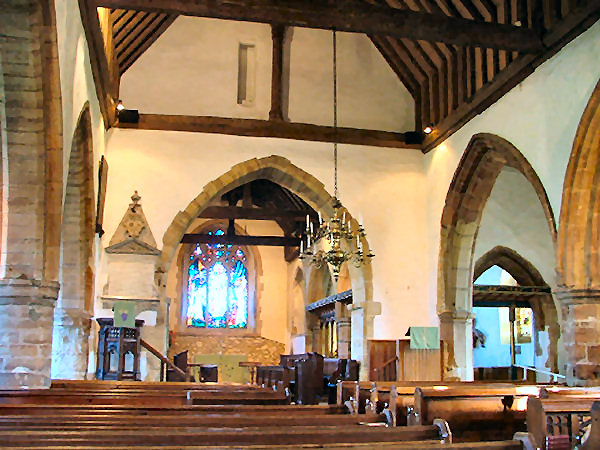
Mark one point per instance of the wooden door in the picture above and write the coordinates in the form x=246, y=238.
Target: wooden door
x=380, y=352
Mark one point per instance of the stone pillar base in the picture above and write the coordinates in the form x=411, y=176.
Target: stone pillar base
x=26, y=317
x=70, y=349
x=581, y=335
x=456, y=330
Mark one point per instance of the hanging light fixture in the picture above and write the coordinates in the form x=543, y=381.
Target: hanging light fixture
x=336, y=235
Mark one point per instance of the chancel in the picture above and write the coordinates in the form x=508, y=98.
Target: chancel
x=192, y=193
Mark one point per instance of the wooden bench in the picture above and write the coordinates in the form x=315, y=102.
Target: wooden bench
x=37, y=422
x=474, y=413
x=560, y=422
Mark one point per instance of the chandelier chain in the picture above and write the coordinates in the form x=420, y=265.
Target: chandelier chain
x=335, y=137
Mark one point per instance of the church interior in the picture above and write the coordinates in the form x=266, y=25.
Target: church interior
x=403, y=195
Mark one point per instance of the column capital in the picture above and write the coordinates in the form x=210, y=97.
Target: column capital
x=455, y=316
x=16, y=291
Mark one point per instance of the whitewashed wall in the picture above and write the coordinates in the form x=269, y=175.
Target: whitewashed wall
x=539, y=117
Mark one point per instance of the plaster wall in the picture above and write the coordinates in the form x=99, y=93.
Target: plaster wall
x=77, y=82
x=384, y=186
x=539, y=116
x=513, y=217
x=77, y=91
x=193, y=69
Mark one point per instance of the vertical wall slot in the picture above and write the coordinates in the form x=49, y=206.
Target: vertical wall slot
x=246, y=74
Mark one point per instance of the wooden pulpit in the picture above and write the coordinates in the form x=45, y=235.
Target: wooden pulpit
x=118, y=351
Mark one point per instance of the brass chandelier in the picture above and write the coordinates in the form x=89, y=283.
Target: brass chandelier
x=328, y=244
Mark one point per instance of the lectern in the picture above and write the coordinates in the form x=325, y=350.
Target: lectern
x=118, y=351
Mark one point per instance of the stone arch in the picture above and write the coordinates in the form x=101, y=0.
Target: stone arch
x=72, y=316
x=578, y=253
x=578, y=256
x=526, y=274
x=281, y=171
x=32, y=147
x=485, y=156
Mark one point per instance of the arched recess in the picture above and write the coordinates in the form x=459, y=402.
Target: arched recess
x=281, y=171
x=31, y=189
x=485, y=156
x=578, y=253
x=73, y=312
x=525, y=274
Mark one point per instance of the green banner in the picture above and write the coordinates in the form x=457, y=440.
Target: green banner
x=124, y=314
x=424, y=338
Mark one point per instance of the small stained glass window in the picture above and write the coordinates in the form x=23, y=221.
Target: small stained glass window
x=217, y=288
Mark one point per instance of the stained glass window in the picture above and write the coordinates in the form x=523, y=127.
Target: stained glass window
x=217, y=289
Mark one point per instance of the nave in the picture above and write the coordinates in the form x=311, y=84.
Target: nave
x=103, y=414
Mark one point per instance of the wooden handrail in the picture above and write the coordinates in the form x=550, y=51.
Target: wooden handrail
x=163, y=358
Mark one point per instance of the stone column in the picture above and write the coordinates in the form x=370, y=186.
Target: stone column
x=456, y=330
x=344, y=337
x=26, y=318
x=316, y=337
x=70, y=343
x=362, y=330
x=581, y=335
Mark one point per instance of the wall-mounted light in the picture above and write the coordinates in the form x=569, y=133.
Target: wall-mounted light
x=120, y=106
x=428, y=129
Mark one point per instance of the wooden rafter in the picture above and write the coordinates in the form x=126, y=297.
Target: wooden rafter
x=235, y=212
x=135, y=32
x=270, y=128
x=352, y=16
x=578, y=20
x=269, y=241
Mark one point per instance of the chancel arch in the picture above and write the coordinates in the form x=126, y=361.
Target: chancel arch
x=485, y=158
x=578, y=255
x=73, y=311
x=282, y=172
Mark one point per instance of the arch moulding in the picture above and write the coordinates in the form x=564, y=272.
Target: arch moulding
x=485, y=156
x=281, y=171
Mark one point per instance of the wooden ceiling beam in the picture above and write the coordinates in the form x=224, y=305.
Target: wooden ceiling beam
x=269, y=128
x=269, y=241
x=234, y=212
x=107, y=88
x=351, y=16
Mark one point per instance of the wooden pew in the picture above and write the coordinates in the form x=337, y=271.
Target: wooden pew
x=474, y=413
x=274, y=376
x=562, y=420
x=38, y=422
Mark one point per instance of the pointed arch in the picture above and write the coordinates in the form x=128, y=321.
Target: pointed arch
x=73, y=312
x=484, y=158
x=543, y=306
x=579, y=232
x=281, y=171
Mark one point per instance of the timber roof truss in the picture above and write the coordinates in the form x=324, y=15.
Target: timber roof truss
x=455, y=57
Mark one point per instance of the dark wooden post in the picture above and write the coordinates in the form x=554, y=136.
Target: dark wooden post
x=278, y=33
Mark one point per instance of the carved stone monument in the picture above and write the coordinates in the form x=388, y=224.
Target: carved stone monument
x=132, y=257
